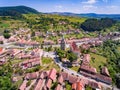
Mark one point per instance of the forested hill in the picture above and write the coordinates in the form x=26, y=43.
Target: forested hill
x=89, y=15
x=16, y=10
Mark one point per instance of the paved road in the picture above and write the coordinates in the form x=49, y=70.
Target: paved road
x=57, y=61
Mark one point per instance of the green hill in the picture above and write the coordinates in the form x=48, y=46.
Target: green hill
x=16, y=10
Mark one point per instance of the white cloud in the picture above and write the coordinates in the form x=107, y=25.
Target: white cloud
x=59, y=6
x=88, y=7
x=112, y=7
x=90, y=2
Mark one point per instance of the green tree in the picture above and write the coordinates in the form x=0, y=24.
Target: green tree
x=71, y=56
x=6, y=35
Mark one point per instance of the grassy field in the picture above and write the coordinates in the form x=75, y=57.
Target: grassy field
x=98, y=61
x=48, y=63
x=75, y=68
x=46, y=60
x=68, y=86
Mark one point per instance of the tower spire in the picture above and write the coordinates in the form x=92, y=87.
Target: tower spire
x=63, y=43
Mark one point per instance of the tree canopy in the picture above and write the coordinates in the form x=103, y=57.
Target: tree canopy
x=97, y=24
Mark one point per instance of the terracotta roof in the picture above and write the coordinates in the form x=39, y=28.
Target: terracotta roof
x=72, y=79
x=60, y=79
x=86, y=58
x=59, y=87
x=77, y=86
x=105, y=71
x=42, y=75
x=88, y=68
x=30, y=63
x=52, y=74
x=65, y=75
x=74, y=47
x=48, y=84
x=23, y=86
x=103, y=78
x=85, y=46
x=39, y=85
x=74, y=86
x=33, y=75
x=1, y=49
x=94, y=85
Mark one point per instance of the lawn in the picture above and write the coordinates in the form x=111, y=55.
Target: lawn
x=50, y=66
x=3, y=25
x=46, y=60
x=68, y=86
x=48, y=63
x=75, y=68
x=16, y=61
x=98, y=61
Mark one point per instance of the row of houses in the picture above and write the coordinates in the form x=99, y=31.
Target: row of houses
x=31, y=59
x=44, y=80
x=89, y=71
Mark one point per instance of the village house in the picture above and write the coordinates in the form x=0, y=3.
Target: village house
x=12, y=39
x=105, y=71
x=30, y=76
x=77, y=86
x=88, y=69
x=23, y=42
x=59, y=87
x=1, y=51
x=74, y=49
x=52, y=74
x=30, y=63
x=23, y=86
x=94, y=85
x=48, y=42
x=45, y=79
x=2, y=40
x=39, y=84
x=2, y=61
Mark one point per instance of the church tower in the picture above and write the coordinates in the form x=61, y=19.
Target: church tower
x=62, y=43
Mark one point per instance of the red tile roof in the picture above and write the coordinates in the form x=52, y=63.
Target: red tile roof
x=60, y=79
x=48, y=84
x=33, y=75
x=74, y=47
x=74, y=86
x=77, y=86
x=65, y=75
x=94, y=85
x=39, y=85
x=104, y=78
x=105, y=71
x=42, y=75
x=52, y=74
x=86, y=58
x=72, y=79
x=1, y=49
x=88, y=68
x=59, y=87
x=23, y=86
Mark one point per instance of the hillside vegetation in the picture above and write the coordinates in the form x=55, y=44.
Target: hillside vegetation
x=97, y=24
x=26, y=17
x=46, y=22
x=12, y=11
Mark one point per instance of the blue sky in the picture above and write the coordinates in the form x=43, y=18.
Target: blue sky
x=75, y=6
